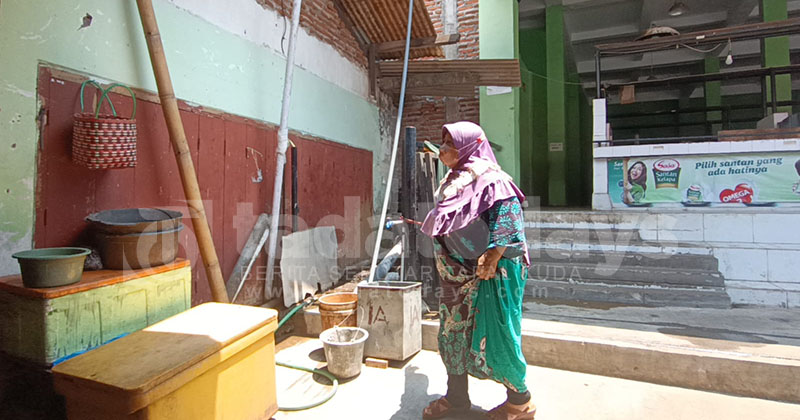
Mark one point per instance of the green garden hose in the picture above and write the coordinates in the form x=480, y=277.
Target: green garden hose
x=333, y=379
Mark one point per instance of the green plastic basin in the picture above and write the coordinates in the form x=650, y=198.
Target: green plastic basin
x=51, y=267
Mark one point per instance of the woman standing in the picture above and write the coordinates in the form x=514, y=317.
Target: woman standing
x=482, y=258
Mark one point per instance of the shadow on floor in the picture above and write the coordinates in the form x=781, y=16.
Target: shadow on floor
x=415, y=398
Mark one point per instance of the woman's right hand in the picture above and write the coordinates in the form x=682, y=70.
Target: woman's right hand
x=487, y=263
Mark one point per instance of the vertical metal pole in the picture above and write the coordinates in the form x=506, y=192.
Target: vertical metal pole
x=408, y=194
x=283, y=144
x=764, y=97
x=388, y=192
x=774, y=92
x=597, y=74
x=409, y=208
x=295, y=204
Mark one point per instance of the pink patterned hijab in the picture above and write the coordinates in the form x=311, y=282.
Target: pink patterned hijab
x=473, y=186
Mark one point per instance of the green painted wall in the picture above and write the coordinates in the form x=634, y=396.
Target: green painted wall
x=526, y=130
x=497, y=25
x=533, y=53
x=209, y=66
x=559, y=112
x=572, y=182
x=776, y=51
x=556, y=106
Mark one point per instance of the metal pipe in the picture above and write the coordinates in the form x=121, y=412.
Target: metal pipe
x=191, y=189
x=388, y=192
x=283, y=144
x=692, y=139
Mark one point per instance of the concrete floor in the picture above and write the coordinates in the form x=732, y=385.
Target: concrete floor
x=403, y=390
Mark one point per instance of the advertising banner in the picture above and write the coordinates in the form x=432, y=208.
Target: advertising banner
x=759, y=179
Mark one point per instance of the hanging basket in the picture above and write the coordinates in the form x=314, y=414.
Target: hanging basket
x=104, y=141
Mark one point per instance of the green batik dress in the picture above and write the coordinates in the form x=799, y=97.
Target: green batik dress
x=480, y=331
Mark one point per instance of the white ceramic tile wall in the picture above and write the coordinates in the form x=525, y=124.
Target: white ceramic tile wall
x=698, y=148
x=742, y=264
x=741, y=147
x=600, y=176
x=719, y=147
x=793, y=299
x=640, y=150
x=678, y=149
x=776, y=228
x=787, y=145
x=728, y=227
x=648, y=234
x=646, y=221
x=757, y=297
x=784, y=266
x=603, y=152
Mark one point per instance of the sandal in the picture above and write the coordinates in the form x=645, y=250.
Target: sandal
x=442, y=408
x=507, y=412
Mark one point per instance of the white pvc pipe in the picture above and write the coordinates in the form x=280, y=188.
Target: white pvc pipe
x=283, y=143
x=388, y=192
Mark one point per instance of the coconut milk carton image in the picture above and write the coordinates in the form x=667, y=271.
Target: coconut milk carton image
x=667, y=173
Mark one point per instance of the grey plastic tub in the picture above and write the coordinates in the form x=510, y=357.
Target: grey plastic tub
x=51, y=267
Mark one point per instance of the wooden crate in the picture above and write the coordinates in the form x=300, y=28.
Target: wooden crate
x=214, y=361
x=42, y=326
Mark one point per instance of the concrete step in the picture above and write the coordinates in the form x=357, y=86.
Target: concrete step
x=561, y=235
x=622, y=275
x=767, y=371
x=631, y=259
x=638, y=294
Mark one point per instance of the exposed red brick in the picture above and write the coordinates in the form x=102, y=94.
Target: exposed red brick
x=321, y=20
x=428, y=113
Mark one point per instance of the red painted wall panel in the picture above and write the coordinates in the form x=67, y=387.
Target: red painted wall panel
x=221, y=148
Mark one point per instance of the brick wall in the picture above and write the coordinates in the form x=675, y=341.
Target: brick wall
x=428, y=113
x=321, y=20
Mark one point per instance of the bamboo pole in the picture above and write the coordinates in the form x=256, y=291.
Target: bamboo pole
x=169, y=106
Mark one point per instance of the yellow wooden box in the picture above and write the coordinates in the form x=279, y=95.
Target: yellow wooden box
x=215, y=361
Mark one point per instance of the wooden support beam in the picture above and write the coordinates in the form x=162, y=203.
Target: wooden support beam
x=491, y=72
x=434, y=41
x=431, y=80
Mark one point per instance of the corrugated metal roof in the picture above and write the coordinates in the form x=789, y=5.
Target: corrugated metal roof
x=385, y=20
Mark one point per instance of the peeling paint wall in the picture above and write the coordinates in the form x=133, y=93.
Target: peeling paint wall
x=223, y=55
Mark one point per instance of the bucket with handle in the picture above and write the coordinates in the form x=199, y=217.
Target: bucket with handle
x=338, y=309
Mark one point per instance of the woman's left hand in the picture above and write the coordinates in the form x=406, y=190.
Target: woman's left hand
x=487, y=263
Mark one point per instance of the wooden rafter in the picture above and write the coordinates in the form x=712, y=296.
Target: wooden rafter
x=363, y=41
x=435, y=41
x=490, y=72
